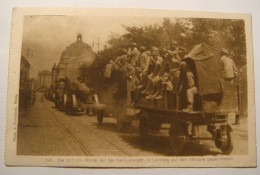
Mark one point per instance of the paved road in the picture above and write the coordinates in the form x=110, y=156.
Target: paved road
x=44, y=130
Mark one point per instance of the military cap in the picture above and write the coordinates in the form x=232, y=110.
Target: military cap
x=173, y=43
x=224, y=51
x=155, y=49
x=133, y=44
x=142, y=48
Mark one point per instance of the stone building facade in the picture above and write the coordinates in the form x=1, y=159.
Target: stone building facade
x=24, y=71
x=75, y=55
x=44, y=79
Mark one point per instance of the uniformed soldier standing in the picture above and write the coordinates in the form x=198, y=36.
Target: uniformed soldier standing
x=228, y=67
x=191, y=88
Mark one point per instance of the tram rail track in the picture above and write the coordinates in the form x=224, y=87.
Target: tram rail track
x=76, y=140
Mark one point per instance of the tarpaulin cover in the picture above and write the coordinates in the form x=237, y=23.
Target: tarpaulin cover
x=208, y=68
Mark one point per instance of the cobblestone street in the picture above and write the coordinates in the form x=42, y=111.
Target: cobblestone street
x=44, y=130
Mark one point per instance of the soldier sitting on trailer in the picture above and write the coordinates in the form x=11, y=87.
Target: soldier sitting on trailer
x=191, y=88
x=157, y=80
x=174, y=51
x=117, y=64
x=133, y=55
x=167, y=75
x=148, y=71
x=145, y=59
x=153, y=78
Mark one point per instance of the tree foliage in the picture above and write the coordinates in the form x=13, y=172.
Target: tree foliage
x=221, y=33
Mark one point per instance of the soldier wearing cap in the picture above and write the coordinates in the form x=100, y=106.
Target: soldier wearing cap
x=144, y=58
x=117, y=64
x=153, y=78
x=166, y=77
x=228, y=66
x=174, y=50
x=133, y=55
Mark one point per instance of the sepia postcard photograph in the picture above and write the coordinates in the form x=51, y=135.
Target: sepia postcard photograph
x=98, y=87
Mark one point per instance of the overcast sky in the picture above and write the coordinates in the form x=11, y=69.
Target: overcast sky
x=48, y=36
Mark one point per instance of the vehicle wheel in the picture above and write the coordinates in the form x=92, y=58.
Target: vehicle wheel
x=177, y=138
x=120, y=125
x=155, y=126
x=100, y=116
x=218, y=142
x=224, y=139
x=65, y=101
x=143, y=127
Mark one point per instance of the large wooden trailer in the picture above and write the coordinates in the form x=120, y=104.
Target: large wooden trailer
x=217, y=105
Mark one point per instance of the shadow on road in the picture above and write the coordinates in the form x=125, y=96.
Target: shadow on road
x=157, y=143
x=160, y=144
x=113, y=127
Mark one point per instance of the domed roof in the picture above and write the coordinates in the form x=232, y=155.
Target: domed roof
x=79, y=35
x=79, y=50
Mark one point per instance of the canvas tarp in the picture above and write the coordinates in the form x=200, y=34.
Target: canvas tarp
x=208, y=68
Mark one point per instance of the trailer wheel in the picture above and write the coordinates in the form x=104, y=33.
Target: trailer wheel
x=64, y=102
x=74, y=105
x=120, y=125
x=100, y=116
x=155, y=126
x=177, y=138
x=224, y=139
x=143, y=127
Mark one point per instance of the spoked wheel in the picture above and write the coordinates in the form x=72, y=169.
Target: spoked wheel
x=143, y=127
x=224, y=139
x=74, y=106
x=64, y=102
x=100, y=116
x=177, y=138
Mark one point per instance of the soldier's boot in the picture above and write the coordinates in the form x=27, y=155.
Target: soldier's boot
x=150, y=92
x=154, y=92
x=159, y=96
x=147, y=88
x=189, y=108
x=160, y=92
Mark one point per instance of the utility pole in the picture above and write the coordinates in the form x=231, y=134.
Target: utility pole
x=32, y=54
x=28, y=53
x=98, y=44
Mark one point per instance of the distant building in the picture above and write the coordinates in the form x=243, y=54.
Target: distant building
x=25, y=85
x=44, y=79
x=24, y=72
x=54, y=74
x=75, y=55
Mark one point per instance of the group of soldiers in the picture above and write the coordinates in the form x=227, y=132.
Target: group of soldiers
x=151, y=71
x=156, y=70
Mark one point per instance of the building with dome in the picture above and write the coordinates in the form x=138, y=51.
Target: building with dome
x=75, y=55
